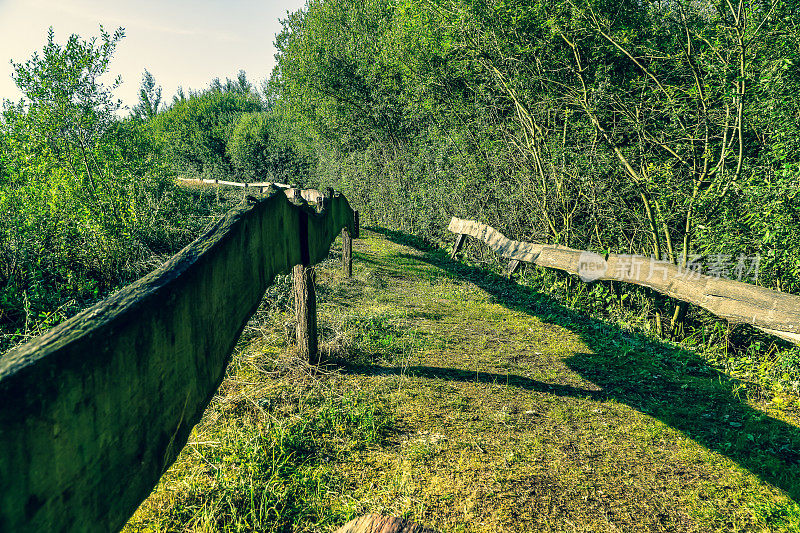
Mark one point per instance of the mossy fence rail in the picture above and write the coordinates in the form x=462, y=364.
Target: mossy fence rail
x=777, y=313
x=95, y=410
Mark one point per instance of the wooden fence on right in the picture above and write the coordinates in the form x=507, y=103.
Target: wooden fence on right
x=777, y=313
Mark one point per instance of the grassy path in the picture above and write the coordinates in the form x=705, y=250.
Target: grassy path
x=468, y=403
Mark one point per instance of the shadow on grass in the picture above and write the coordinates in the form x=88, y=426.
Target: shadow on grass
x=673, y=385
x=471, y=376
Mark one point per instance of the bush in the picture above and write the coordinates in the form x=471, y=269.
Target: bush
x=260, y=150
x=86, y=199
x=194, y=132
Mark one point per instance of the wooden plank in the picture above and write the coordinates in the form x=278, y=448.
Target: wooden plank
x=236, y=183
x=513, y=266
x=382, y=524
x=311, y=196
x=777, y=313
x=270, y=183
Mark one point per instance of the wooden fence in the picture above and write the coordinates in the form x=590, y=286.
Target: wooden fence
x=94, y=411
x=309, y=195
x=257, y=185
x=777, y=313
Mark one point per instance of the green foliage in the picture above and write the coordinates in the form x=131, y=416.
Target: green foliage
x=265, y=470
x=637, y=127
x=62, y=137
x=762, y=219
x=149, y=98
x=194, y=131
x=86, y=199
x=68, y=110
x=260, y=150
x=248, y=146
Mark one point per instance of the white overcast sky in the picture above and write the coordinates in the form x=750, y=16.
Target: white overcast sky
x=182, y=43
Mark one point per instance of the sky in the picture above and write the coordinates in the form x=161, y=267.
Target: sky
x=182, y=43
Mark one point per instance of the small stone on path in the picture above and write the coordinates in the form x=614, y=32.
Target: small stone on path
x=382, y=524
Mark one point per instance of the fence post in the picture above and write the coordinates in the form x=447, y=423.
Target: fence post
x=347, y=253
x=457, y=245
x=305, y=303
x=356, y=225
x=659, y=326
x=513, y=267
x=305, y=297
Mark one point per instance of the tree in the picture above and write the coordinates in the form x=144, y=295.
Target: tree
x=194, y=131
x=81, y=188
x=260, y=149
x=149, y=98
x=68, y=108
x=665, y=129
x=64, y=118
x=179, y=96
x=79, y=173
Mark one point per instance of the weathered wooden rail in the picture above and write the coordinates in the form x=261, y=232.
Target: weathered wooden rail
x=95, y=410
x=777, y=313
x=309, y=195
x=303, y=278
x=257, y=185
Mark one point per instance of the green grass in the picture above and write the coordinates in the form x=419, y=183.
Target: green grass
x=462, y=400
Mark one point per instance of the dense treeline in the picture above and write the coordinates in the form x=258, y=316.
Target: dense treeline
x=229, y=130
x=660, y=128
x=669, y=129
